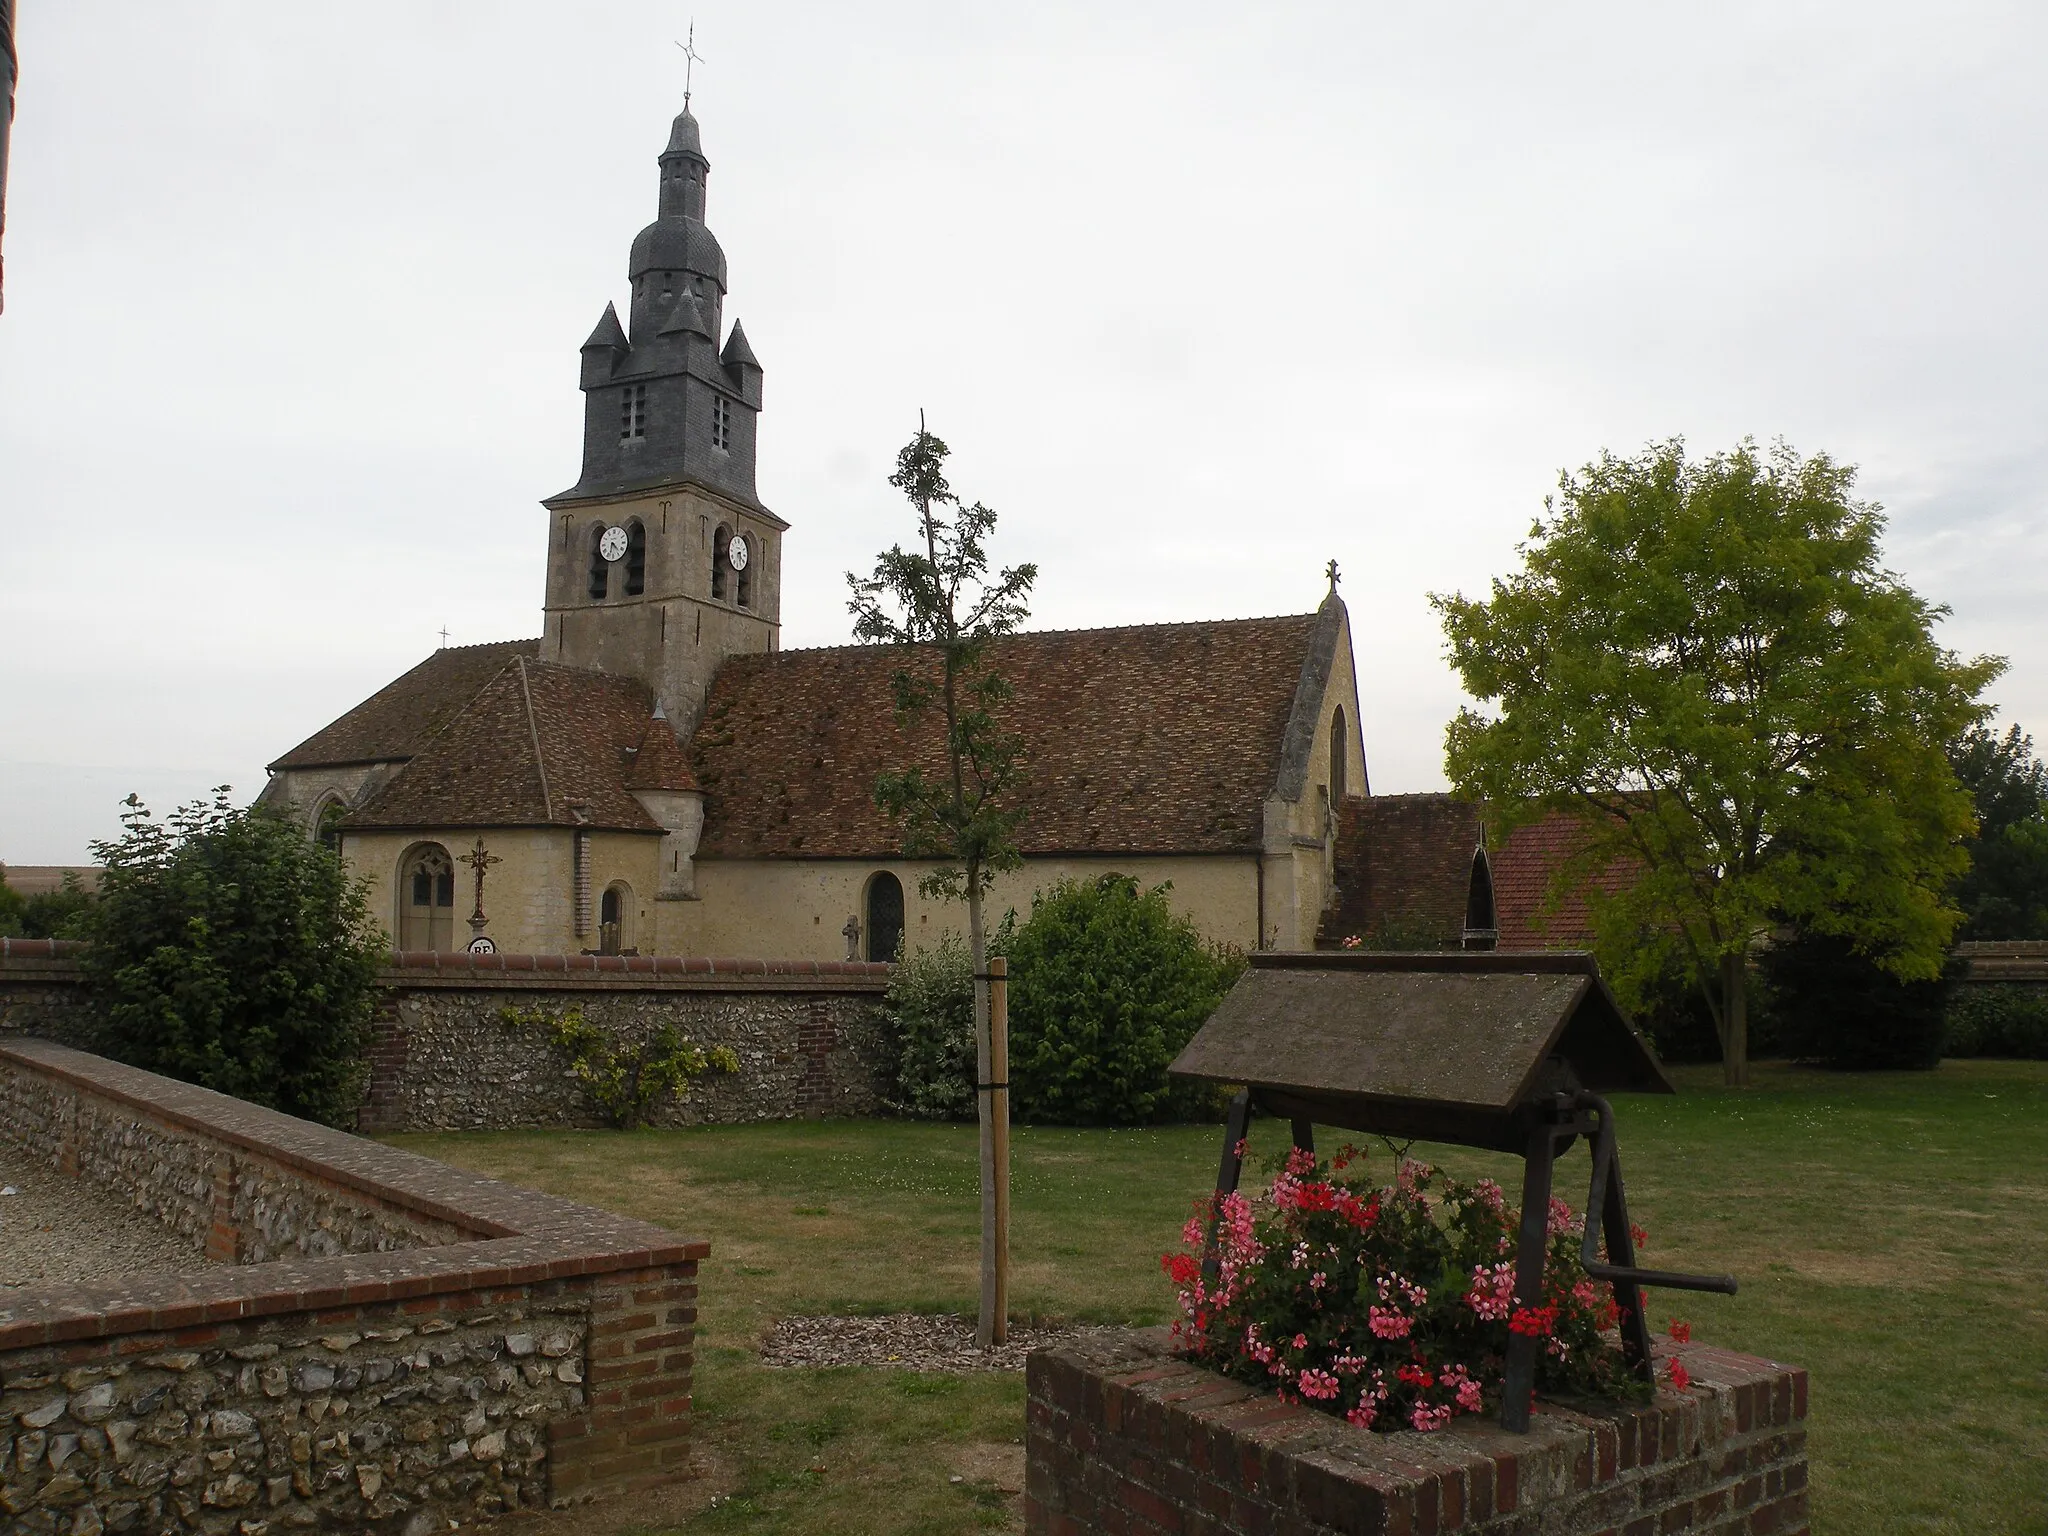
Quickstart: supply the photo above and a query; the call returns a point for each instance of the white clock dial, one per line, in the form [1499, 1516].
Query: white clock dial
[736, 552]
[612, 544]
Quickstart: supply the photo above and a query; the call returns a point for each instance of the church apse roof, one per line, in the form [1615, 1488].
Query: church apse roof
[398, 719]
[1160, 738]
[539, 745]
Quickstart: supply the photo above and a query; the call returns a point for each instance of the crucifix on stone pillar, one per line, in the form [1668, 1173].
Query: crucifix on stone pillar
[479, 861]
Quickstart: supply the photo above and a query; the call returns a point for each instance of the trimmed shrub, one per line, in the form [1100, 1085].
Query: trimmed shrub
[930, 1006]
[1829, 1004]
[1998, 1018]
[1107, 984]
[228, 949]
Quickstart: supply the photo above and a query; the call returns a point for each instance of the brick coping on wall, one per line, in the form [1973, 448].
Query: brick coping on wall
[1123, 1435]
[49, 957]
[521, 1236]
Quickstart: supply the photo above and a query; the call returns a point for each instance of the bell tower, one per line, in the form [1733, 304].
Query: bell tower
[662, 561]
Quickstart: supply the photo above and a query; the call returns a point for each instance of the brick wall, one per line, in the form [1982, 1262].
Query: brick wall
[1122, 1436]
[453, 1348]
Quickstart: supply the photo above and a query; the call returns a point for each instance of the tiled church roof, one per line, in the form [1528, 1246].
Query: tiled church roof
[540, 745]
[1161, 738]
[398, 719]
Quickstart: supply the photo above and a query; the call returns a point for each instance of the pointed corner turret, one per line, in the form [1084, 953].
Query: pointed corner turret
[741, 366]
[606, 346]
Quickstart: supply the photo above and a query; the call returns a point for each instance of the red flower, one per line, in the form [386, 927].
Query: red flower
[1681, 1331]
[1680, 1377]
[1180, 1268]
[1534, 1321]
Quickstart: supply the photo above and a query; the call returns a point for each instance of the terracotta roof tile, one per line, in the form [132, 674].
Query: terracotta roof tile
[661, 762]
[1524, 866]
[398, 719]
[1158, 738]
[1404, 868]
[482, 769]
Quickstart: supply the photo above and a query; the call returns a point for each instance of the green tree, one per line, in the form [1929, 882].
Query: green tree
[2004, 895]
[229, 950]
[1108, 983]
[938, 603]
[1707, 662]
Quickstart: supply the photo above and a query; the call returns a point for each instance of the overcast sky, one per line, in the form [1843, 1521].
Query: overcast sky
[1201, 295]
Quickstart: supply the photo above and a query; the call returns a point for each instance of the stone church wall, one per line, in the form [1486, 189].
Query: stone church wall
[800, 906]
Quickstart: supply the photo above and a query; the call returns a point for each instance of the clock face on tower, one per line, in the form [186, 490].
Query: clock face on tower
[736, 552]
[612, 543]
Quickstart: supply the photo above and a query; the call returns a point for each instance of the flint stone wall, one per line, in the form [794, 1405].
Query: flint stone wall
[1122, 1435]
[231, 1204]
[447, 1348]
[809, 1037]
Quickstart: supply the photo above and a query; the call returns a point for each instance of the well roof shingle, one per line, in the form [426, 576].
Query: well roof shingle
[1158, 738]
[398, 719]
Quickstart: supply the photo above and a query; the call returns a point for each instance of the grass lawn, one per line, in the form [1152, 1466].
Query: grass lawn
[1890, 1233]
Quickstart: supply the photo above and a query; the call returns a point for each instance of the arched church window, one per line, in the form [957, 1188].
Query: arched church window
[327, 824]
[636, 558]
[1340, 744]
[426, 899]
[1482, 930]
[615, 919]
[884, 925]
[721, 560]
[600, 568]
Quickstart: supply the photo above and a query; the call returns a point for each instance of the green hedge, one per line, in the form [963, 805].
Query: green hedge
[1998, 1018]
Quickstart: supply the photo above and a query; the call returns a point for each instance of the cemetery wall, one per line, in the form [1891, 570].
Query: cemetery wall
[462, 1348]
[1121, 1435]
[808, 1034]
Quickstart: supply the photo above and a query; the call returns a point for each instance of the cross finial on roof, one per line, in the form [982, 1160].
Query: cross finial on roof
[444, 637]
[1330, 571]
[692, 59]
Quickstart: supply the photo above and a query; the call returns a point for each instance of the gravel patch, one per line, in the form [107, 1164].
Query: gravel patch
[58, 1230]
[904, 1341]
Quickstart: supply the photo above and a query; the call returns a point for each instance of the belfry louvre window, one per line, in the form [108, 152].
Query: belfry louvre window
[633, 413]
[721, 422]
[636, 558]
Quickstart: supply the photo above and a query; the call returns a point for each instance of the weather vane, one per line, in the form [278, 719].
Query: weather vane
[692, 59]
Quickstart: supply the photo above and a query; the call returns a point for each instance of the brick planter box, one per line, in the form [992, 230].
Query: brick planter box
[385, 1343]
[1123, 1436]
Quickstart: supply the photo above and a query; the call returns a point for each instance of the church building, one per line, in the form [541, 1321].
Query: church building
[654, 774]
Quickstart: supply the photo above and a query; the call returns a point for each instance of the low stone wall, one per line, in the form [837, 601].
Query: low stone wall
[42, 992]
[465, 1347]
[1121, 1435]
[808, 1034]
[2005, 960]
